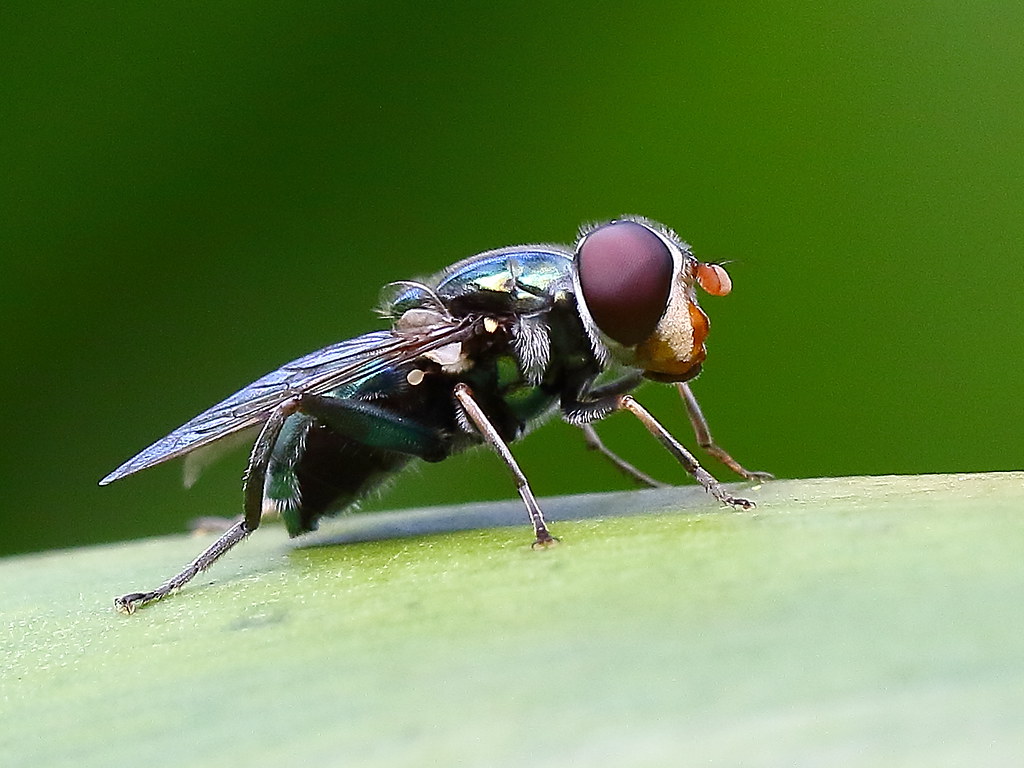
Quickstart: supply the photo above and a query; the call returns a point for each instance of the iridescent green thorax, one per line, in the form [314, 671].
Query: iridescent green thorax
[518, 279]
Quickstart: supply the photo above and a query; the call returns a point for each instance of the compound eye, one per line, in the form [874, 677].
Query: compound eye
[625, 276]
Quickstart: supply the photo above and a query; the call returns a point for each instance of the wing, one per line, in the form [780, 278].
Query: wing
[316, 373]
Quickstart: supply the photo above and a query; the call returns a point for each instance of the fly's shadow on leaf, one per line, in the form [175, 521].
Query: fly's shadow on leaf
[425, 521]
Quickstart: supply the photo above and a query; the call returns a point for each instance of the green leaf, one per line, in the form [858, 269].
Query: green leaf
[850, 621]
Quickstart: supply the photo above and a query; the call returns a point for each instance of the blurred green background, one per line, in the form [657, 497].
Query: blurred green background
[195, 193]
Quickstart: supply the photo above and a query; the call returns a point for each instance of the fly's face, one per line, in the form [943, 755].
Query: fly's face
[636, 290]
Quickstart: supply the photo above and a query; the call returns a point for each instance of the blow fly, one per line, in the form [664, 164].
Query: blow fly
[474, 355]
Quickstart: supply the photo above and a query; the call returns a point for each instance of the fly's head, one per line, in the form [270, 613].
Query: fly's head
[636, 289]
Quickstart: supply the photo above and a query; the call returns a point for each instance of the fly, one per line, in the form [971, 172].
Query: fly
[474, 355]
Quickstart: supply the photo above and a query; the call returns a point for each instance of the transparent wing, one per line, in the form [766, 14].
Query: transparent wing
[315, 373]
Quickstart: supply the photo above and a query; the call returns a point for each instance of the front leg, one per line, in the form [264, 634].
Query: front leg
[683, 456]
[707, 442]
[583, 412]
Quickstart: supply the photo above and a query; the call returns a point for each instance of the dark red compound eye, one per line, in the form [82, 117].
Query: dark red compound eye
[625, 276]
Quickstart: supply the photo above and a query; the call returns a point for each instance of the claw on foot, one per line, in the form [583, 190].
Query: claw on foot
[544, 542]
[127, 604]
[738, 503]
